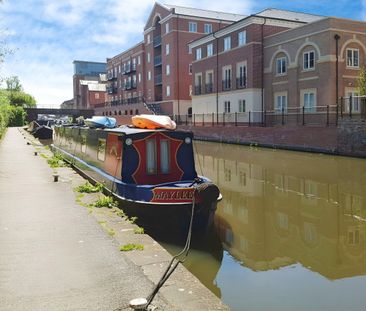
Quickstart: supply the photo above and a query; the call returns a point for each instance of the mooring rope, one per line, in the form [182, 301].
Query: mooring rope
[175, 261]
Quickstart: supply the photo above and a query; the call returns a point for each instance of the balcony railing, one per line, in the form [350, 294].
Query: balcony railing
[133, 67]
[157, 41]
[157, 60]
[127, 69]
[197, 89]
[158, 80]
[128, 85]
[133, 84]
[127, 101]
[226, 85]
[241, 83]
[111, 76]
[209, 88]
[111, 90]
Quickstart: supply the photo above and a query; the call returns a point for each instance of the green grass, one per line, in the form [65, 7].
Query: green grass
[131, 247]
[105, 202]
[133, 219]
[44, 156]
[56, 161]
[139, 230]
[89, 188]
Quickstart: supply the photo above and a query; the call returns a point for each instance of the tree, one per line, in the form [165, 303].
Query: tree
[22, 99]
[13, 84]
[362, 81]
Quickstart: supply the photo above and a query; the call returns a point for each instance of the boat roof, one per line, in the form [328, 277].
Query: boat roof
[127, 130]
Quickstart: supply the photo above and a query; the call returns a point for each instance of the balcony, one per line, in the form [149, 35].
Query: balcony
[241, 83]
[126, 69]
[157, 41]
[128, 85]
[133, 67]
[226, 85]
[197, 89]
[157, 61]
[133, 85]
[158, 80]
[111, 90]
[209, 88]
[111, 76]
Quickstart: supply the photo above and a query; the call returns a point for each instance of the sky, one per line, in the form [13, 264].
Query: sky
[46, 36]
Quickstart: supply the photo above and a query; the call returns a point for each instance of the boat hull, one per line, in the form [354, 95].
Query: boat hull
[171, 211]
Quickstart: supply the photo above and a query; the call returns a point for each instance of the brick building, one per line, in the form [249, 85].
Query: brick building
[157, 71]
[86, 71]
[278, 63]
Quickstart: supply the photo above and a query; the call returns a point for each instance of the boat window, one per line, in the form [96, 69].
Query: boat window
[164, 156]
[83, 143]
[101, 149]
[151, 156]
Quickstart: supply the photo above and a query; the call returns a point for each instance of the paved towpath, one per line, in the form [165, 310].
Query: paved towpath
[52, 255]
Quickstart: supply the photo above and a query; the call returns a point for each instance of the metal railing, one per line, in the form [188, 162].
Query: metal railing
[319, 116]
[157, 60]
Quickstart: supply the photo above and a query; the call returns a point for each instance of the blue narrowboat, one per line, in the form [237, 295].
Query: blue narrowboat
[152, 171]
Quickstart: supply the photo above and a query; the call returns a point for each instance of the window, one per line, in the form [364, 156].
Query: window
[281, 66]
[148, 57]
[138, 60]
[167, 28]
[101, 149]
[242, 38]
[192, 27]
[151, 156]
[164, 156]
[168, 90]
[280, 102]
[209, 82]
[309, 58]
[198, 53]
[309, 100]
[242, 107]
[227, 79]
[167, 49]
[241, 78]
[209, 49]
[148, 39]
[149, 75]
[96, 95]
[227, 106]
[139, 77]
[353, 102]
[167, 70]
[190, 69]
[208, 28]
[227, 43]
[353, 58]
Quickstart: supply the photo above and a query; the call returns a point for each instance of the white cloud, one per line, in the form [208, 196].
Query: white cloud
[47, 35]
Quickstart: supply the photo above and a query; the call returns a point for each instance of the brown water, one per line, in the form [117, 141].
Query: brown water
[291, 230]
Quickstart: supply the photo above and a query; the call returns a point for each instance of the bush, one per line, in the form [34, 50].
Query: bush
[17, 116]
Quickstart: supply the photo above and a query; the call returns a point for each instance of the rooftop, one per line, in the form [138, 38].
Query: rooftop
[289, 15]
[204, 13]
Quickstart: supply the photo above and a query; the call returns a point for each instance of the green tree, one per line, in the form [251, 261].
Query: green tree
[362, 81]
[17, 116]
[22, 99]
[13, 84]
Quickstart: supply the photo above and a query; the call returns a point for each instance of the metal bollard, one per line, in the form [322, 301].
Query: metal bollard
[55, 177]
[28, 143]
[35, 153]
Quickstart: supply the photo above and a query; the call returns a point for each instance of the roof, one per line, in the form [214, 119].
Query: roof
[204, 13]
[97, 87]
[127, 130]
[289, 15]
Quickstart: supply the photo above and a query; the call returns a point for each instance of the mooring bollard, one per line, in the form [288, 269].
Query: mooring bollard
[55, 177]
[35, 153]
[28, 143]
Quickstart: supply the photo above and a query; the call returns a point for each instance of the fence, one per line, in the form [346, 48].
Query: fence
[321, 115]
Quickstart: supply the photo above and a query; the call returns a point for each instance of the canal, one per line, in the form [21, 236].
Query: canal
[290, 232]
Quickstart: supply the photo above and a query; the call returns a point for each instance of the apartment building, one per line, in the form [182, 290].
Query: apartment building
[278, 62]
[228, 64]
[85, 71]
[157, 71]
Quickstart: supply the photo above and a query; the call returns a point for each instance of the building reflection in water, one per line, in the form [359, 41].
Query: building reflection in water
[283, 208]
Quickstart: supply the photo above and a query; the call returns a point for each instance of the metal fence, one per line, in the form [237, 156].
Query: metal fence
[329, 115]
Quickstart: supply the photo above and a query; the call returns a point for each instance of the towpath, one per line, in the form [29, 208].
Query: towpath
[53, 255]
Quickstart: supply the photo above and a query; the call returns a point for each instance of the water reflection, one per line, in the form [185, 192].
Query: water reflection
[286, 209]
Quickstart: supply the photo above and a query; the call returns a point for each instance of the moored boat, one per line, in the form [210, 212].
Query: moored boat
[152, 171]
[101, 122]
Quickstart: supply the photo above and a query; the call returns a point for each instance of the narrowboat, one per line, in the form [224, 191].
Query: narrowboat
[151, 171]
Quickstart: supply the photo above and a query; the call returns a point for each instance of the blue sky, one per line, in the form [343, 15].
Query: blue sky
[47, 35]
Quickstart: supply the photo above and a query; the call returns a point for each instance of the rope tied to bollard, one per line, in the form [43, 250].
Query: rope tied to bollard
[142, 303]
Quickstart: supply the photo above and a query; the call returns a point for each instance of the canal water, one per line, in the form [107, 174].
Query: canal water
[290, 232]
